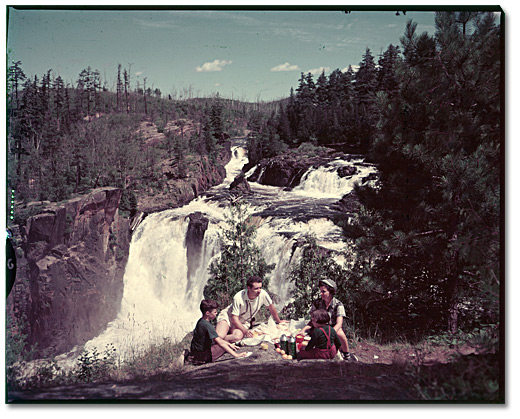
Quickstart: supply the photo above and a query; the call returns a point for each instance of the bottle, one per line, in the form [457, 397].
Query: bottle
[291, 346]
[283, 343]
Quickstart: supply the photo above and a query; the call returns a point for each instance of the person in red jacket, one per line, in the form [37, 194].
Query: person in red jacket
[324, 339]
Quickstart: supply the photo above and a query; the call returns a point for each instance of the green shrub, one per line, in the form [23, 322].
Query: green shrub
[93, 366]
[240, 258]
[17, 350]
[471, 378]
[314, 265]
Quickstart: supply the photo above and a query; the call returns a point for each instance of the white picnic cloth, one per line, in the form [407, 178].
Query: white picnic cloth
[268, 332]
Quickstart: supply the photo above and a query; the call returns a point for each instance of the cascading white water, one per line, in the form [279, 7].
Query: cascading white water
[160, 299]
[324, 182]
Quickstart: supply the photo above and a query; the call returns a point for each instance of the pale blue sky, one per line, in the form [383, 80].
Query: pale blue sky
[235, 53]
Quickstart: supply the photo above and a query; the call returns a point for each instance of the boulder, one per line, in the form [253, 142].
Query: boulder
[241, 184]
[347, 171]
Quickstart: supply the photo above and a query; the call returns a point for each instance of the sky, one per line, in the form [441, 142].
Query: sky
[247, 55]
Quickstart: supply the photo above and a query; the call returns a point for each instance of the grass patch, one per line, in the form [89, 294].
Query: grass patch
[94, 366]
[472, 378]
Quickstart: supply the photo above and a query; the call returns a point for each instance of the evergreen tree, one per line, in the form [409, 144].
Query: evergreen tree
[428, 236]
[388, 79]
[119, 89]
[240, 258]
[365, 103]
[15, 78]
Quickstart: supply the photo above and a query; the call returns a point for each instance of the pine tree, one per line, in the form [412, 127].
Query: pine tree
[240, 257]
[15, 78]
[428, 236]
[387, 76]
[365, 102]
[119, 89]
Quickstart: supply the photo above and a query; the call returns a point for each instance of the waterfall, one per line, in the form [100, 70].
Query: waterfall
[160, 297]
[168, 261]
[326, 182]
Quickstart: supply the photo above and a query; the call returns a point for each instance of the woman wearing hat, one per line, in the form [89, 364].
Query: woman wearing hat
[336, 310]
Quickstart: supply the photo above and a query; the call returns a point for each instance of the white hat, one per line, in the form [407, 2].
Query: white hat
[328, 282]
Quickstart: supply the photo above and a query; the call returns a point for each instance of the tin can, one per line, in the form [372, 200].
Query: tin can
[283, 343]
[291, 346]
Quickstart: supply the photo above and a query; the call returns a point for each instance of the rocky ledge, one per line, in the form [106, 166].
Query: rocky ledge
[178, 190]
[71, 260]
[286, 170]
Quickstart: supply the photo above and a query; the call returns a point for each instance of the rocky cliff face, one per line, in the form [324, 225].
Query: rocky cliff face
[201, 175]
[70, 279]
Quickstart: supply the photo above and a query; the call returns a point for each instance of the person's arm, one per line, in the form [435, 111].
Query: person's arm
[340, 315]
[275, 315]
[314, 340]
[229, 347]
[238, 325]
[304, 330]
[339, 323]
[337, 342]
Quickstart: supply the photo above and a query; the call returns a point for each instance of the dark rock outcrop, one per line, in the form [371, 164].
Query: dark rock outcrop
[241, 184]
[197, 227]
[347, 171]
[286, 170]
[73, 257]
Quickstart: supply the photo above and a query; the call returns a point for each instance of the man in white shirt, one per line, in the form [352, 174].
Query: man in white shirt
[235, 321]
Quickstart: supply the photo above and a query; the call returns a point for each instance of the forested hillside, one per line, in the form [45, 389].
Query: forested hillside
[65, 139]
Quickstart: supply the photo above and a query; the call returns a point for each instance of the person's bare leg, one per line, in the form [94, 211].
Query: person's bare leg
[222, 329]
[344, 341]
[236, 335]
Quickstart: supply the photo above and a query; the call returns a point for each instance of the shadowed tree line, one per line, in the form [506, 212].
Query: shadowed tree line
[427, 237]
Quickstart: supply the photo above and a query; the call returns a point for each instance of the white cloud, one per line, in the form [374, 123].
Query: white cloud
[285, 67]
[354, 68]
[138, 73]
[216, 65]
[319, 70]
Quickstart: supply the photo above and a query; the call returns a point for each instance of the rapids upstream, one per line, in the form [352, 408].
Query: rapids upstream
[167, 269]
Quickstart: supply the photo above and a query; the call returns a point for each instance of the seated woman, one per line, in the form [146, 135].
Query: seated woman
[336, 311]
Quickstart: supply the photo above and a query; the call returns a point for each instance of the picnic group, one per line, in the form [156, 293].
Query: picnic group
[236, 321]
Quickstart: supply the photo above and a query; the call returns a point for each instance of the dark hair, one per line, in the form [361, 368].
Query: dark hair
[207, 305]
[252, 279]
[331, 290]
[321, 316]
